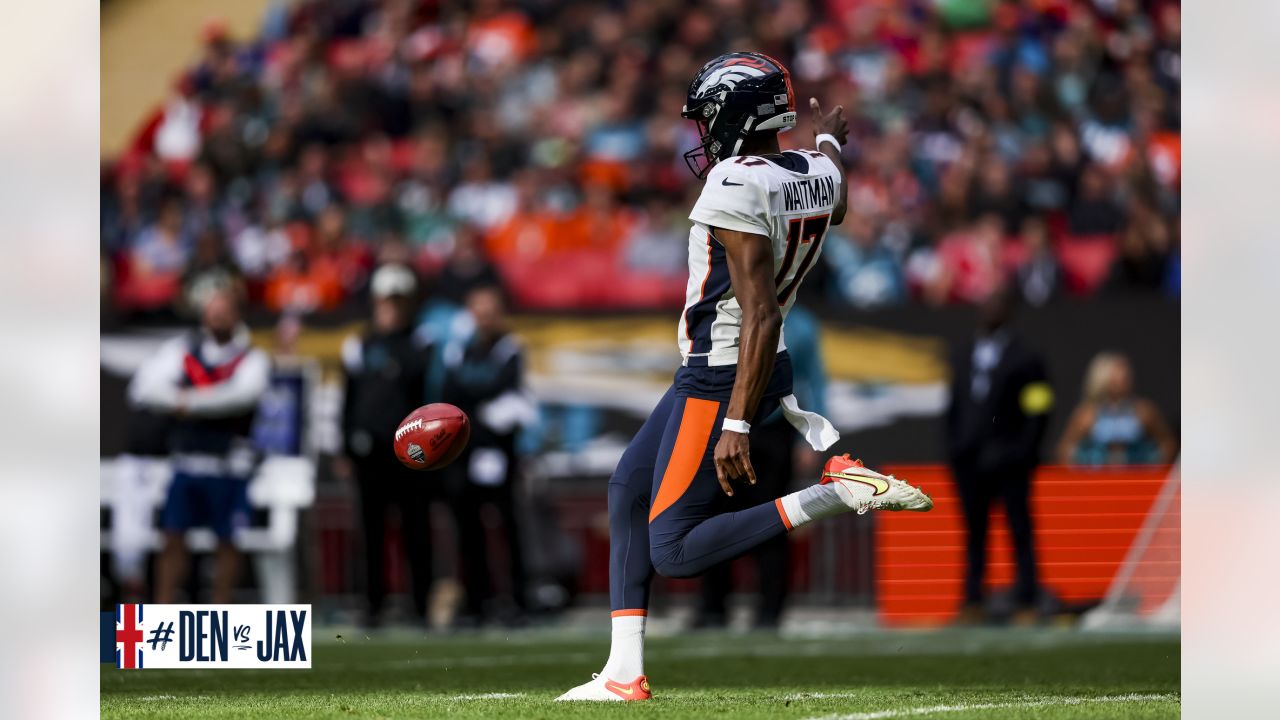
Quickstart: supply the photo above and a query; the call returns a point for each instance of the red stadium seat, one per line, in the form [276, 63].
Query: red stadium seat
[1086, 260]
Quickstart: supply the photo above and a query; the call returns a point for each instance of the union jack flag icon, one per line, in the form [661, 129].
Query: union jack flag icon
[129, 636]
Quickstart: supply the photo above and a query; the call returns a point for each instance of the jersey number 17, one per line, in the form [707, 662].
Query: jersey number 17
[806, 232]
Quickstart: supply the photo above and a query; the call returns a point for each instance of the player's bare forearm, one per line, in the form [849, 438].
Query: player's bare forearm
[758, 346]
[833, 124]
[750, 261]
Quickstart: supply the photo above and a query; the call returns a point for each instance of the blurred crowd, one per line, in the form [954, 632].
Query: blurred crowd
[538, 143]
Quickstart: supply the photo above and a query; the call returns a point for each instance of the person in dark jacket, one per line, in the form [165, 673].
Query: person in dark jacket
[999, 408]
[386, 379]
[483, 377]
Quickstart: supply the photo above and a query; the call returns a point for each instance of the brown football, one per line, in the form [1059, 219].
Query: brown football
[432, 436]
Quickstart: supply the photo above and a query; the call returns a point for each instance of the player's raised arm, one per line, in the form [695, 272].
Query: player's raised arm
[833, 125]
[750, 260]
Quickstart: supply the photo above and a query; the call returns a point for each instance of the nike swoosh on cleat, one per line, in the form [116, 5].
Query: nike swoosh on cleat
[620, 690]
[725, 181]
[881, 486]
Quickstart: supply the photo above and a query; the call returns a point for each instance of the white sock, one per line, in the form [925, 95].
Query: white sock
[626, 654]
[812, 503]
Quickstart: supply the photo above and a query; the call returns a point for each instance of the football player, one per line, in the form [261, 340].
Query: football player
[757, 229]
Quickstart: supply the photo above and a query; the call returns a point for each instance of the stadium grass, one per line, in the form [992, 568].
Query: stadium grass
[950, 674]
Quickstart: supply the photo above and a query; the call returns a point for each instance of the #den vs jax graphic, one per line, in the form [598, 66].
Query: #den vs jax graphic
[207, 636]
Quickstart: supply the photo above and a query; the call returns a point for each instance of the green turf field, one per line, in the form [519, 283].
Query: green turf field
[951, 674]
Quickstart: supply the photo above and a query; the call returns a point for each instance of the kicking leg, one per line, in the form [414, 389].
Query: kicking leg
[686, 537]
[630, 572]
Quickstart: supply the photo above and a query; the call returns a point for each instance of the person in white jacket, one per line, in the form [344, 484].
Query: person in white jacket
[209, 381]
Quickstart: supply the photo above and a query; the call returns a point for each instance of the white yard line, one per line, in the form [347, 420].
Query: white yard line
[1022, 705]
[488, 696]
[819, 696]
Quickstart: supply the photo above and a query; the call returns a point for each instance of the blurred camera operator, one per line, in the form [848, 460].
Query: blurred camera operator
[209, 382]
[386, 376]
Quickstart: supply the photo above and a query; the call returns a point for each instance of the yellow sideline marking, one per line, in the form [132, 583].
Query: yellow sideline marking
[854, 354]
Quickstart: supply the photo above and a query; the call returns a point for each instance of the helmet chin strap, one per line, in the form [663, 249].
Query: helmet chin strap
[742, 137]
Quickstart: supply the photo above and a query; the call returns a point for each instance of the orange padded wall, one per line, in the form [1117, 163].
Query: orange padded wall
[1085, 520]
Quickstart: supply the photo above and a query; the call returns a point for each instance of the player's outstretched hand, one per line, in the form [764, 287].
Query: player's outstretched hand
[833, 123]
[733, 460]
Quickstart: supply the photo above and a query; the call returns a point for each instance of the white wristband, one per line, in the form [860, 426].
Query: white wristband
[826, 137]
[739, 426]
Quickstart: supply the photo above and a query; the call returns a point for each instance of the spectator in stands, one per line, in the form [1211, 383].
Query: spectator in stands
[201, 212]
[466, 268]
[417, 120]
[660, 243]
[864, 272]
[994, 193]
[209, 382]
[484, 376]
[1144, 254]
[259, 249]
[481, 199]
[386, 371]
[302, 284]
[1112, 426]
[211, 269]
[995, 422]
[159, 254]
[1038, 276]
[1068, 161]
[1094, 211]
[1043, 189]
[122, 207]
[316, 191]
[334, 245]
[443, 319]
[421, 195]
[970, 263]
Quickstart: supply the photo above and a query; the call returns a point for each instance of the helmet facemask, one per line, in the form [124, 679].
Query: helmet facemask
[707, 153]
[711, 150]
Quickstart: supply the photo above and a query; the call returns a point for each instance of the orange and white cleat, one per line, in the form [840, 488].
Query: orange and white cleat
[863, 489]
[602, 689]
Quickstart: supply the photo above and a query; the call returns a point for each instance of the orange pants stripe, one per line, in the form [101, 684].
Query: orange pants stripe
[696, 423]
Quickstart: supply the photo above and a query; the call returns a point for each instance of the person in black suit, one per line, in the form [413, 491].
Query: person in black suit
[1000, 404]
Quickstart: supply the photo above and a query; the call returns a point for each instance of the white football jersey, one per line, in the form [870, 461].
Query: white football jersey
[786, 197]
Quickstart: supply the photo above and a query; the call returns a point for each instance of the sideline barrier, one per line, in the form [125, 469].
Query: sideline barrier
[1085, 520]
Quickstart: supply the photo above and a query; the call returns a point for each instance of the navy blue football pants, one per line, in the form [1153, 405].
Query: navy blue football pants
[664, 497]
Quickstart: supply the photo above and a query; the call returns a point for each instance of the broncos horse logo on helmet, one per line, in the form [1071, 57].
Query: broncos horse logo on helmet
[732, 97]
